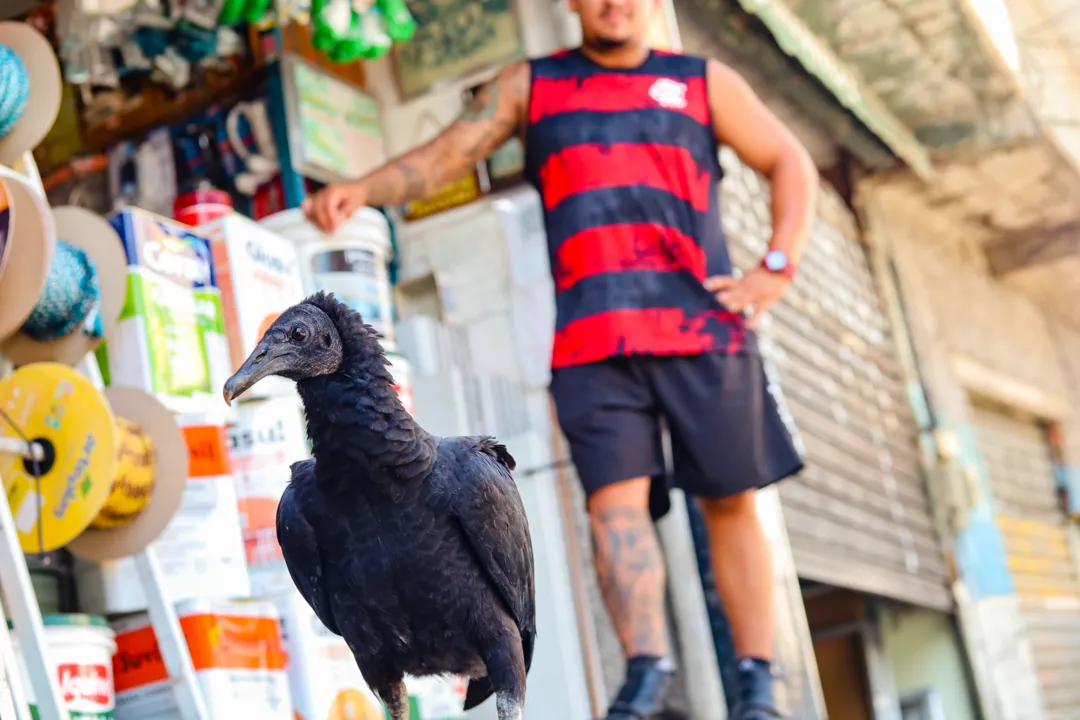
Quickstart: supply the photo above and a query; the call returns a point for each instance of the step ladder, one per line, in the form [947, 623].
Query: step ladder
[19, 601]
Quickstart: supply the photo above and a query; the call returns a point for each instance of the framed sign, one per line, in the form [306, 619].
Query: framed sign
[334, 129]
[454, 38]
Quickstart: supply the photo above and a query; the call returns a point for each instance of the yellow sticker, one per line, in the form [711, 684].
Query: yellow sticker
[55, 404]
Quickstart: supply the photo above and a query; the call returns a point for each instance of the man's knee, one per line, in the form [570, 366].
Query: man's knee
[730, 507]
[628, 497]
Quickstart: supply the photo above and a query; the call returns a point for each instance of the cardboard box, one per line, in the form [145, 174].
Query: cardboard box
[258, 272]
[238, 657]
[267, 438]
[170, 339]
[324, 681]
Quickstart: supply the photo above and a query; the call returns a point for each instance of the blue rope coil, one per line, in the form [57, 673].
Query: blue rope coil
[14, 89]
[72, 297]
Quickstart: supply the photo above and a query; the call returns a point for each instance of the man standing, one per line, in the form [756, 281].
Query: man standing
[622, 144]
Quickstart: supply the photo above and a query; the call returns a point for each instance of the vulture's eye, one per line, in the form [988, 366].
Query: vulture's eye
[299, 334]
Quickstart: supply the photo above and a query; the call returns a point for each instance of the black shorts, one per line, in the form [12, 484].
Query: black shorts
[727, 435]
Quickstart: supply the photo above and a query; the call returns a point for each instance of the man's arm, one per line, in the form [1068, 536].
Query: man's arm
[743, 123]
[496, 113]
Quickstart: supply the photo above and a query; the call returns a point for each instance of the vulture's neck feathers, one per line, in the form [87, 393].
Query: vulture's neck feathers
[355, 417]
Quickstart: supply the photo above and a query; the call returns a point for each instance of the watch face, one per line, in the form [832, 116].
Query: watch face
[776, 260]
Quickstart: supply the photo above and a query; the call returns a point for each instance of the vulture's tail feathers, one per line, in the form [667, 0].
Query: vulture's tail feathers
[479, 691]
[481, 688]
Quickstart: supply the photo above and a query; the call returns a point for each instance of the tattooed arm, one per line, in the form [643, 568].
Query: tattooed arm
[496, 112]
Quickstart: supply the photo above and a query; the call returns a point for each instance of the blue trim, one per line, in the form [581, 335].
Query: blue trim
[980, 554]
[1068, 480]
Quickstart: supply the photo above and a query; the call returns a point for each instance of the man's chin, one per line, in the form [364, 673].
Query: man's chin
[609, 42]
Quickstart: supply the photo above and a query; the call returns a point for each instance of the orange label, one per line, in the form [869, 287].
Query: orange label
[137, 661]
[225, 642]
[208, 450]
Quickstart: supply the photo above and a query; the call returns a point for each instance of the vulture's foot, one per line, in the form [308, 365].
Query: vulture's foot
[396, 698]
[508, 707]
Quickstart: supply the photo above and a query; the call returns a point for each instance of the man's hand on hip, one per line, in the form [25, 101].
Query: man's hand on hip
[758, 289]
[333, 205]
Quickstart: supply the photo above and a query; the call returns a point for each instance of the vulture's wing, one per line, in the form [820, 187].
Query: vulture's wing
[299, 545]
[488, 506]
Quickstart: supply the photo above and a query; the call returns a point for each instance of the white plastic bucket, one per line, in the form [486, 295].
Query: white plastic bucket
[81, 649]
[401, 370]
[351, 263]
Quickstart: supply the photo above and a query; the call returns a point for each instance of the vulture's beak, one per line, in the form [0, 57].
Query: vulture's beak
[268, 358]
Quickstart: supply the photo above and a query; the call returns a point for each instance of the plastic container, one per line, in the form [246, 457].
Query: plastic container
[351, 263]
[202, 206]
[81, 648]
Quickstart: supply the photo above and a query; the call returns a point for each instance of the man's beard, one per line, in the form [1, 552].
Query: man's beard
[605, 44]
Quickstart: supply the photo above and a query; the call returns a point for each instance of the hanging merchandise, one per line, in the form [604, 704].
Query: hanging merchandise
[351, 263]
[234, 12]
[113, 470]
[237, 655]
[81, 650]
[348, 31]
[260, 155]
[75, 307]
[172, 342]
[30, 89]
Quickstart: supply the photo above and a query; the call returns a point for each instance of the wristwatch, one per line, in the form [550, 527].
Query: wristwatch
[776, 261]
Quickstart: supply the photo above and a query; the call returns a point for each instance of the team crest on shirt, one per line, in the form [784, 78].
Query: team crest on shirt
[668, 93]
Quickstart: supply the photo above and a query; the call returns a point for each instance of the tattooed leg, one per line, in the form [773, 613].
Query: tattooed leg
[630, 566]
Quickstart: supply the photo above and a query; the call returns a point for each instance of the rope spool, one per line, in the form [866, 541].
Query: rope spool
[72, 297]
[133, 482]
[74, 309]
[114, 465]
[31, 243]
[14, 89]
[30, 89]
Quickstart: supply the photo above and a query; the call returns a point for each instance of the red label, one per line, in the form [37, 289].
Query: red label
[85, 684]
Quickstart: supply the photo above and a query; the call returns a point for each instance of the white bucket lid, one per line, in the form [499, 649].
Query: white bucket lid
[367, 225]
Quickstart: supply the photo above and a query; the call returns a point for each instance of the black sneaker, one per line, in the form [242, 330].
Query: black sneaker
[645, 692]
[755, 711]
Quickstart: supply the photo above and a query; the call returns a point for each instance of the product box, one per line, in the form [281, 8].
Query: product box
[170, 339]
[324, 682]
[200, 553]
[259, 275]
[267, 437]
[238, 657]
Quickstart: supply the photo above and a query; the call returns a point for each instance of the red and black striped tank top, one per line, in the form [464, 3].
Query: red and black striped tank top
[626, 163]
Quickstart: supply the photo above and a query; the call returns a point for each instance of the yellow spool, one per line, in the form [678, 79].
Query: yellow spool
[133, 481]
[115, 466]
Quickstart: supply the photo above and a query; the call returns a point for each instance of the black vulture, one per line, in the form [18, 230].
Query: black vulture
[413, 548]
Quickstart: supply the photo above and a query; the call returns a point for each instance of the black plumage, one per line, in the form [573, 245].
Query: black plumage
[414, 548]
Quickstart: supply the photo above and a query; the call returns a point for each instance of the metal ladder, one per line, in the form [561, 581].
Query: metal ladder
[19, 600]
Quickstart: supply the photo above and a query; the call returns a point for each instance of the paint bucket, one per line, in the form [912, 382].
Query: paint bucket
[351, 263]
[401, 371]
[81, 649]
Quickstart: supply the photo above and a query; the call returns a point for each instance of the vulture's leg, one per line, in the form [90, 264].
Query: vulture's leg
[396, 698]
[506, 670]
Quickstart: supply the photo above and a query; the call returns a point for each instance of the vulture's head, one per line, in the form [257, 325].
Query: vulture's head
[303, 342]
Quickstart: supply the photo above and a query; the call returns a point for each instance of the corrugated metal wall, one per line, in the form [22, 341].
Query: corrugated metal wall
[859, 515]
[1043, 565]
